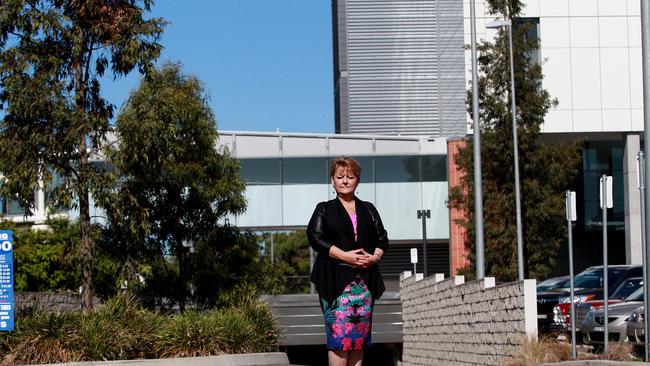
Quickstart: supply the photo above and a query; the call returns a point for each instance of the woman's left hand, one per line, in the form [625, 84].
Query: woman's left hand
[367, 260]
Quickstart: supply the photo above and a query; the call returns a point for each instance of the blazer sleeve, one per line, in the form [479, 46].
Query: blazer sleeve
[382, 235]
[316, 231]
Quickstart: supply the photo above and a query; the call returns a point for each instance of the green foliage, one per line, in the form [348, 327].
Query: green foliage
[47, 259]
[53, 55]
[121, 330]
[174, 187]
[291, 252]
[546, 171]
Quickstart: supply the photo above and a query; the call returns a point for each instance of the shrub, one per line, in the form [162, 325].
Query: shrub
[122, 330]
[44, 337]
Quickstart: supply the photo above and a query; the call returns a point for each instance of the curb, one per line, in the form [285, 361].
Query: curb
[246, 359]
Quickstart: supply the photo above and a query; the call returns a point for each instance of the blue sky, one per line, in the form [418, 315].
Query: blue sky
[266, 64]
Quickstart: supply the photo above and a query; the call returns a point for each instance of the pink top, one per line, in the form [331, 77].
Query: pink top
[353, 217]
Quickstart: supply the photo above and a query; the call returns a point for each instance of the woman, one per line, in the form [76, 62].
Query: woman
[350, 240]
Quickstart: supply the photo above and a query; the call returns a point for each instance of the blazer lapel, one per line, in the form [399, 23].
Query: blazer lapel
[345, 222]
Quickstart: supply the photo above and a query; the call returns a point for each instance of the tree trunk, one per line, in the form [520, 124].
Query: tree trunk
[86, 250]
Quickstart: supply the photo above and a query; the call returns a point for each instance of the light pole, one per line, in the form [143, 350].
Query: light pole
[478, 185]
[499, 23]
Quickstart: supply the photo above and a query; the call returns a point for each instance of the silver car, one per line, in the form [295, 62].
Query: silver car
[636, 327]
[593, 327]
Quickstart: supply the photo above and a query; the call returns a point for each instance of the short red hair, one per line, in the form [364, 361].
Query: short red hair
[347, 163]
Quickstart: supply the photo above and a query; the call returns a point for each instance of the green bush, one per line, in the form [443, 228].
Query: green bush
[121, 330]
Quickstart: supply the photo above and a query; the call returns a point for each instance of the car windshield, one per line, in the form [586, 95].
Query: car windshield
[551, 283]
[627, 288]
[636, 295]
[593, 278]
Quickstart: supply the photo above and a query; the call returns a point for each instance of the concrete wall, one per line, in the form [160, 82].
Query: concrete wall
[449, 322]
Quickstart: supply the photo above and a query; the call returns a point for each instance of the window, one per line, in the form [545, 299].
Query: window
[260, 171]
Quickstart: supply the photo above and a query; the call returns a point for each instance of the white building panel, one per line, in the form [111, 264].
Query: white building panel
[557, 74]
[616, 120]
[553, 8]
[583, 32]
[588, 120]
[558, 121]
[341, 146]
[531, 8]
[386, 147]
[634, 31]
[634, 8]
[636, 80]
[637, 119]
[611, 8]
[615, 74]
[585, 76]
[554, 33]
[256, 146]
[613, 32]
[303, 146]
[583, 7]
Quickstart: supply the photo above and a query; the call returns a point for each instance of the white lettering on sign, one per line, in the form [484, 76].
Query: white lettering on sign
[3, 324]
[5, 246]
[5, 307]
[4, 236]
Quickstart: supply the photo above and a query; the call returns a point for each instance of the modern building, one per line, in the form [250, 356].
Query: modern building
[288, 174]
[398, 67]
[590, 52]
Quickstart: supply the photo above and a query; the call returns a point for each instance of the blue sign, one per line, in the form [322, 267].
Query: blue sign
[6, 280]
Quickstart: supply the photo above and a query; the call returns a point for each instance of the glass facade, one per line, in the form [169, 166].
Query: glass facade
[282, 192]
[603, 158]
[374, 169]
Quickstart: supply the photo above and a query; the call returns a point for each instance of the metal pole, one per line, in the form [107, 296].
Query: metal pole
[515, 147]
[645, 58]
[646, 260]
[478, 186]
[272, 250]
[424, 215]
[569, 208]
[603, 182]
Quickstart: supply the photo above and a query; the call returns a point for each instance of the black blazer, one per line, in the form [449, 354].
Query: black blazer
[330, 225]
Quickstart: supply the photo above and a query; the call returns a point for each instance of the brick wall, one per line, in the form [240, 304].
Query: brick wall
[457, 233]
[449, 322]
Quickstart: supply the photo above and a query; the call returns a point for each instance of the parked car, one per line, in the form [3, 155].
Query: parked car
[588, 285]
[552, 283]
[593, 327]
[636, 327]
[562, 311]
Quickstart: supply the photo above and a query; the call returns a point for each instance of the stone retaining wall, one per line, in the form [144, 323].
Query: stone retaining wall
[449, 322]
[62, 301]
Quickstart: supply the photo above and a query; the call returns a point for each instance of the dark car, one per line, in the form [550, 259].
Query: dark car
[588, 285]
[552, 283]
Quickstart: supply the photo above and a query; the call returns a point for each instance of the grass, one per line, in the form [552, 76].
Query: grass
[534, 351]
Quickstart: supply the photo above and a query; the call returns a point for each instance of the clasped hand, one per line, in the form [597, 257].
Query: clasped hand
[359, 258]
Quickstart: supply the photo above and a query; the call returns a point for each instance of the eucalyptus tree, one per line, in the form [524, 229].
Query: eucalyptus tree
[547, 170]
[53, 56]
[175, 185]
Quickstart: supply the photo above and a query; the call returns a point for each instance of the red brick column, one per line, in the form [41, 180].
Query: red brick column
[458, 254]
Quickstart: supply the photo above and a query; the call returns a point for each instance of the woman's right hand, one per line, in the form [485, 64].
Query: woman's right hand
[352, 257]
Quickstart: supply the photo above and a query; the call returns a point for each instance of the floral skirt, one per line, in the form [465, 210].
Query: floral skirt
[348, 319]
